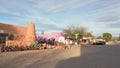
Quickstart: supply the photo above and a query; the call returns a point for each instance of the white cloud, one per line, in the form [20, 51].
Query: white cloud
[61, 5]
[3, 10]
[40, 11]
[16, 8]
[41, 22]
[108, 13]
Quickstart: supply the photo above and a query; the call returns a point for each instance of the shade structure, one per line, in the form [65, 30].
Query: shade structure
[54, 35]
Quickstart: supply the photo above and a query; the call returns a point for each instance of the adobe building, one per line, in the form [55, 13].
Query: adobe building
[17, 35]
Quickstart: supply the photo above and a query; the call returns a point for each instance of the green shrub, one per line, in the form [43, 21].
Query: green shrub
[34, 44]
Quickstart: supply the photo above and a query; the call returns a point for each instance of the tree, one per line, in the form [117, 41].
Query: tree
[99, 37]
[88, 34]
[107, 36]
[72, 30]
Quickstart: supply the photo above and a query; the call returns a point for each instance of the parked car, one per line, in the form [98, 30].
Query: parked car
[99, 43]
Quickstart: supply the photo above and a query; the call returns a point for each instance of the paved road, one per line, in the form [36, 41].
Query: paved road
[91, 57]
[94, 57]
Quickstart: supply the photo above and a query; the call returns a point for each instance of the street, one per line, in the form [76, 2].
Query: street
[98, 56]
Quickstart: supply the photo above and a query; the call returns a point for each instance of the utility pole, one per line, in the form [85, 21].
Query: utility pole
[76, 35]
[42, 32]
[119, 37]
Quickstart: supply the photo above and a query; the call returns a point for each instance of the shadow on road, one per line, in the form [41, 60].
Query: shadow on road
[94, 57]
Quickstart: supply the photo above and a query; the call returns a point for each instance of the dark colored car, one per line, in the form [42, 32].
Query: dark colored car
[99, 43]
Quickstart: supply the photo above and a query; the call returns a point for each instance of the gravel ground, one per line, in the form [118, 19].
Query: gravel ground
[36, 59]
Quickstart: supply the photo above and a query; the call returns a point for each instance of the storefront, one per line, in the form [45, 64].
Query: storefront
[2, 41]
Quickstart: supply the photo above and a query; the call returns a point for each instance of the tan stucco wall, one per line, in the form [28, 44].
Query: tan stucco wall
[22, 35]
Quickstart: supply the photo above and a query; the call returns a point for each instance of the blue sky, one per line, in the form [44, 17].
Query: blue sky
[98, 16]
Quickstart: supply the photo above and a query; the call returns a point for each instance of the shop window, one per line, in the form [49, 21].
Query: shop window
[2, 38]
[10, 37]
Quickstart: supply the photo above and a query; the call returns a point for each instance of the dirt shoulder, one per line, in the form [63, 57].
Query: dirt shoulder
[36, 59]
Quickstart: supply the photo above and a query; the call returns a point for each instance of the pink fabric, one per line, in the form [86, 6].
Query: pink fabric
[54, 35]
